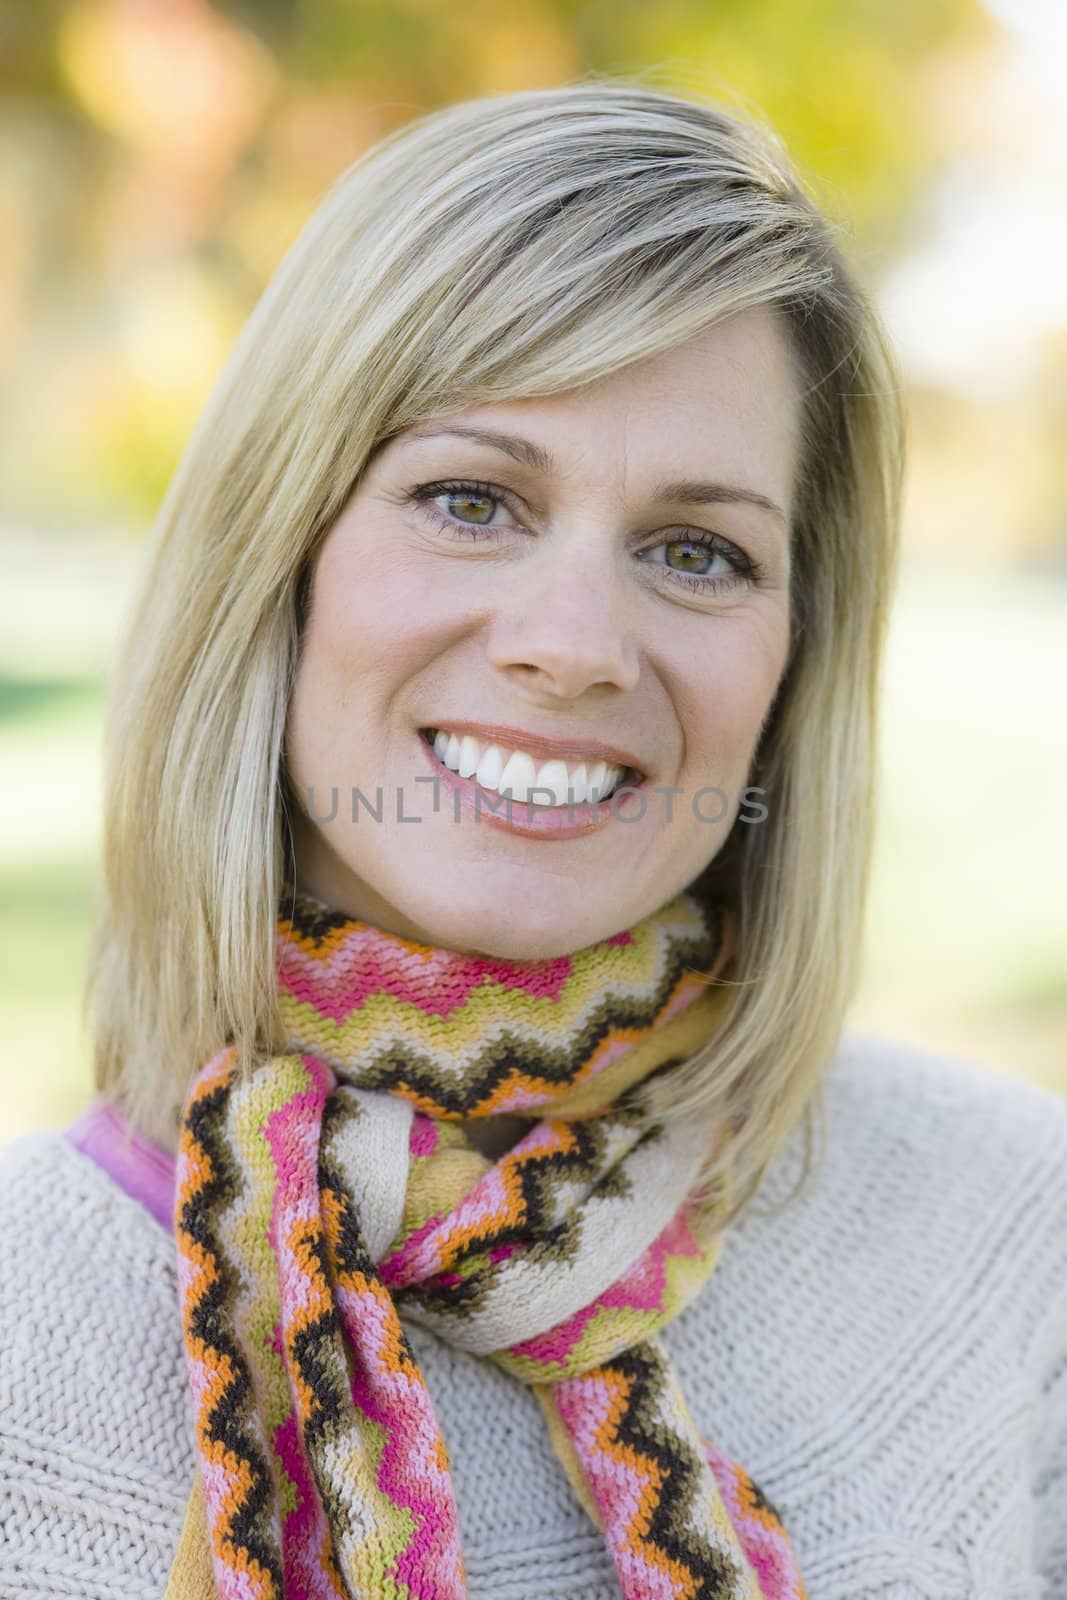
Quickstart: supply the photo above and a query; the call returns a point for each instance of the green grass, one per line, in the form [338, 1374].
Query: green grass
[40, 702]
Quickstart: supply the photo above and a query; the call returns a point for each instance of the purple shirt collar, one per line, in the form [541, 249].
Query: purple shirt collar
[136, 1163]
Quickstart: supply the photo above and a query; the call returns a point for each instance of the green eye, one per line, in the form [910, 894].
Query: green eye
[693, 550]
[476, 504]
[470, 499]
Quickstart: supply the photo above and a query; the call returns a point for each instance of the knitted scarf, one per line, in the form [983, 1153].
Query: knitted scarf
[334, 1187]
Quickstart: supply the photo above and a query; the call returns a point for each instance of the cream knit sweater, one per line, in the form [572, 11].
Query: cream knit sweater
[887, 1358]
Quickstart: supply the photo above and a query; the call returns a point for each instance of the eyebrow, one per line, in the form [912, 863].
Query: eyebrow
[690, 491]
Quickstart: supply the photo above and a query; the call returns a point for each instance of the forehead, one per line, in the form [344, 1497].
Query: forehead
[725, 400]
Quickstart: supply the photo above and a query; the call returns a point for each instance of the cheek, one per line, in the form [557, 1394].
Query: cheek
[371, 606]
[342, 639]
[356, 599]
[723, 710]
[375, 623]
[314, 723]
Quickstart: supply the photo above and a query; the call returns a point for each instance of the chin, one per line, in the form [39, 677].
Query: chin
[515, 921]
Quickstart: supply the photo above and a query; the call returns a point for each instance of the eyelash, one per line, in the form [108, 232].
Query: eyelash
[746, 571]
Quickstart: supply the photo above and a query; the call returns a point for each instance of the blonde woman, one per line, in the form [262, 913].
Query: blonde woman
[490, 773]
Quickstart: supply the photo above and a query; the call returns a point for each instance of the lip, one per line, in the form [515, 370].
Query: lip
[519, 817]
[576, 748]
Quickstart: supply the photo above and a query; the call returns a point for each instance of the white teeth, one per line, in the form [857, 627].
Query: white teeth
[490, 767]
[579, 783]
[519, 774]
[595, 784]
[515, 772]
[555, 777]
[470, 752]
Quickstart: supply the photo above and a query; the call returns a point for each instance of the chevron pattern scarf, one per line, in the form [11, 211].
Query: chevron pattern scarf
[334, 1188]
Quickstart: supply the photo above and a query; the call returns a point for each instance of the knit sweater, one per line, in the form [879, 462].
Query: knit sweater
[887, 1357]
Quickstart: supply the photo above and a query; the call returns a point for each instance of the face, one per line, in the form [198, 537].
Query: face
[557, 588]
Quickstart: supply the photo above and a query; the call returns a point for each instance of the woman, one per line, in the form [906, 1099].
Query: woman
[489, 808]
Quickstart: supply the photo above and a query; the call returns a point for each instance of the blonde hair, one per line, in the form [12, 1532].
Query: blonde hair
[502, 247]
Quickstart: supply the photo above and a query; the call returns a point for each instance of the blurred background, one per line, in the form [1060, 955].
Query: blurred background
[157, 159]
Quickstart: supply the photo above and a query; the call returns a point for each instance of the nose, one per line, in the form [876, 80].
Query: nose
[567, 626]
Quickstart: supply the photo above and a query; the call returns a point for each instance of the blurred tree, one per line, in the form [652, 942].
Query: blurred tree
[158, 156]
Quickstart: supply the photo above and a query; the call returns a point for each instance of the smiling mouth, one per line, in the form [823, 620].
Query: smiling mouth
[549, 783]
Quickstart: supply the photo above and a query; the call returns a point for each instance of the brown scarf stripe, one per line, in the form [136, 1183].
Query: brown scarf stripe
[641, 1430]
[403, 1068]
[228, 1431]
[534, 1222]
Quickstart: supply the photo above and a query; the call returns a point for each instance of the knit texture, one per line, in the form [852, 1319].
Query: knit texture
[888, 1356]
[336, 1184]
